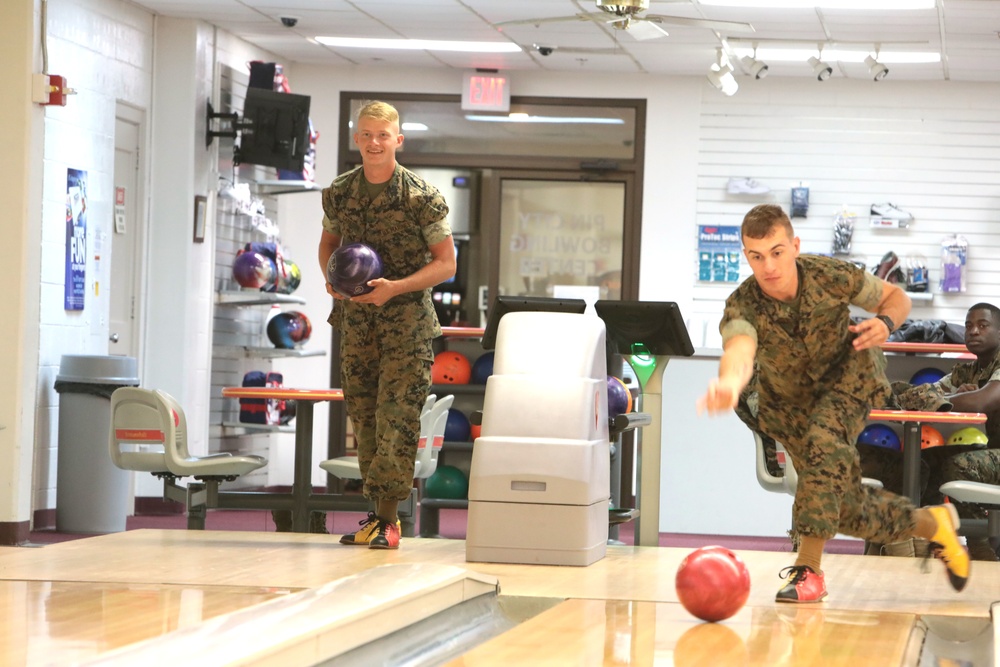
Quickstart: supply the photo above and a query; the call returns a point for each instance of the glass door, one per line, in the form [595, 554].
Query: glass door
[559, 235]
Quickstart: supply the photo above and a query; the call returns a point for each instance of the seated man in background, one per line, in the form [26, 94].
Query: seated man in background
[974, 386]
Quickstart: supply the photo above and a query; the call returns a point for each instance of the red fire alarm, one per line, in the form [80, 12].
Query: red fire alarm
[58, 90]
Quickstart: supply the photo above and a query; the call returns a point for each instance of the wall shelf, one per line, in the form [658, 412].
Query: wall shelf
[251, 352]
[254, 298]
[280, 353]
[282, 187]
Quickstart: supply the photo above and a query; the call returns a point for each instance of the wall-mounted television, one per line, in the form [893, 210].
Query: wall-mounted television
[511, 304]
[274, 130]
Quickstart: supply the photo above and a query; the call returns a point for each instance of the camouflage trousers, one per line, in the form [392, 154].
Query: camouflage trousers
[829, 497]
[386, 376]
[980, 465]
[878, 463]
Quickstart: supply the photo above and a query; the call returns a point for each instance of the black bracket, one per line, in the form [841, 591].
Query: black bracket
[228, 124]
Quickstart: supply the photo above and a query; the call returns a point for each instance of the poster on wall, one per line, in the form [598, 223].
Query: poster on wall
[719, 253]
[76, 239]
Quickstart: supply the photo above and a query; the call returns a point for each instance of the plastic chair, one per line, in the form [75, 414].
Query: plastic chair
[986, 496]
[433, 417]
[149, 434]
[788, 480]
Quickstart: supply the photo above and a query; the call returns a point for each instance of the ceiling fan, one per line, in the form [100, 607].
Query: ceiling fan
[628, 15]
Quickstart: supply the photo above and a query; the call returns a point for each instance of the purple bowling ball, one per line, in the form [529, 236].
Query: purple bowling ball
[350, 268]
[254, 270]
[619, 398]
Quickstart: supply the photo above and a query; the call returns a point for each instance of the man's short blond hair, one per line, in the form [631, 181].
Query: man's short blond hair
[379, 111]
[762, 219]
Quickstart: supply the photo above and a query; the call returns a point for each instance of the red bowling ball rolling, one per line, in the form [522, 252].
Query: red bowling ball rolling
[712, 583]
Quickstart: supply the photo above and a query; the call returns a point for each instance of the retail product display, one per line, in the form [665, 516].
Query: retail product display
[954, 252]
[254, 270]
[843, 232]
[290, 278]
[289, 329]
[800, 202]
[889, 269]
[746, 186]
[917, 279]
[890, 210]
[262, 410]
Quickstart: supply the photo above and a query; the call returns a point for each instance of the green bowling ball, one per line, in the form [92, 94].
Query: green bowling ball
[447, 482]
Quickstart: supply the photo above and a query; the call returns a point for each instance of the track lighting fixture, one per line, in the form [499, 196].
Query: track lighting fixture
[755, 68]
[721, 75]
[877, 70]
[820, 68]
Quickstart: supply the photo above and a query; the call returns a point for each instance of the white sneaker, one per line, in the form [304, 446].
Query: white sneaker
[892, 211]
[746, 186]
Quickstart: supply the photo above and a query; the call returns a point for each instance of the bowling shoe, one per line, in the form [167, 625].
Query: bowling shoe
[369, 530]
[386, 536]
[804, 585]
[946, 547]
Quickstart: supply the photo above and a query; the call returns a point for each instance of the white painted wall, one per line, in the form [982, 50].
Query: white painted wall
[104, 48]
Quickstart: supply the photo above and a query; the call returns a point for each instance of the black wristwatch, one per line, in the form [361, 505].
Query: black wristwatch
[888, 322]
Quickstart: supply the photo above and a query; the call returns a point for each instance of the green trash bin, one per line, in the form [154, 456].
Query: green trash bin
[91, 493]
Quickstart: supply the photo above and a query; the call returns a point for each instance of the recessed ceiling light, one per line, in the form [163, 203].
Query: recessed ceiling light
[420, 44]
[874, 5]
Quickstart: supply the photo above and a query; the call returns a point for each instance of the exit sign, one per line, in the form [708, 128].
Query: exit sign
[485, 91]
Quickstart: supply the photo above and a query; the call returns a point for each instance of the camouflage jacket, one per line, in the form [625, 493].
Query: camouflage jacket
[972, 372]
[803, 347]
[407, 217]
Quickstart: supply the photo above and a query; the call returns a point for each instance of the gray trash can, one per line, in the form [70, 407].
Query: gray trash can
[91, 493]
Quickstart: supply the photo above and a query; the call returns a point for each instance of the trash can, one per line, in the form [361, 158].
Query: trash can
[91, 493]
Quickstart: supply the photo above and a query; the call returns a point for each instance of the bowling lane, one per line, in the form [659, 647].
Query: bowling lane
[293, 560]
[62, 622]
[628, 632]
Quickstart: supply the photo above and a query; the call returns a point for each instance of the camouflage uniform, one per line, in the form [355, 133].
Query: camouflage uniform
[386, 351]
[981, 465]
[881, 463]
[815, 392]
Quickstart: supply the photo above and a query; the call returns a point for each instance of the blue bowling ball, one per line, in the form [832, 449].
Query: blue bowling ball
[926, 376]
[457, 427]
[483, 368]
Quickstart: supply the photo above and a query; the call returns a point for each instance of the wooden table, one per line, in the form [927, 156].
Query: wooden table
[929, 348]
[912, 420]
[303, 500]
